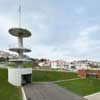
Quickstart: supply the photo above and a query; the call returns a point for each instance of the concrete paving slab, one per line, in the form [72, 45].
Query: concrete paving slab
[49, 91]
[95, 96]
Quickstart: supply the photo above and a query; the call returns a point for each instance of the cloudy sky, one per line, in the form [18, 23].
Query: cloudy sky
[61, 29]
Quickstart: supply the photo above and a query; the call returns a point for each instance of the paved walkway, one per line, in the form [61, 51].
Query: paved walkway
[54, 70]
[60, 80]
[67, 80]
[95, 96]
[49, 91]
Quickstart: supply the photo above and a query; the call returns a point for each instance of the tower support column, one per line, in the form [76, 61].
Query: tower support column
[20, 42]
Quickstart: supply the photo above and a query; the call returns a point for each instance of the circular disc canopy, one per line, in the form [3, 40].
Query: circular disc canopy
[19, 32]
[20, 49]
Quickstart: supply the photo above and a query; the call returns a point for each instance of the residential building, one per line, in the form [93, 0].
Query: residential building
[59, 64]
[5, 55]
[44, 64]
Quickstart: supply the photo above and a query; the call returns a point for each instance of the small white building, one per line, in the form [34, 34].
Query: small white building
[59, 64]
[71, 66]
[19, 76]
[44, 63]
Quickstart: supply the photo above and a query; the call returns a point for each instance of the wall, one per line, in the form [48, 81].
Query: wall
[83, 73]
[15, 75]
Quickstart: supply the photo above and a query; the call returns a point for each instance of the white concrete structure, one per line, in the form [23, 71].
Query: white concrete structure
[19, 76]
[16, 75]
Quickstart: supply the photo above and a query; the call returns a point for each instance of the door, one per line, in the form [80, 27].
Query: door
[26, 79]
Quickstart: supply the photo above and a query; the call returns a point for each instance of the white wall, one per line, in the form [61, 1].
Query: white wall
[54, 65]
[15, 75]
[59, 65]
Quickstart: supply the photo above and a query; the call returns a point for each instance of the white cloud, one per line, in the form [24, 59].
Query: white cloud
[89, 30]
[83, 45]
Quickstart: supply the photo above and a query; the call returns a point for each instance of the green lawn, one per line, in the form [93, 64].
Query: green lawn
[40, 76]
[26, 64]
[82, 87]
[7, 91]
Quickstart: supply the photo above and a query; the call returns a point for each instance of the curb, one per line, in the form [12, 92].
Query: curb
[23, 94]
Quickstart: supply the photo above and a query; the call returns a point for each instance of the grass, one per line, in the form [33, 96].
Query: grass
[82, 87]
[7, 91]
[11, 64]
[41, 76]
[26, 64]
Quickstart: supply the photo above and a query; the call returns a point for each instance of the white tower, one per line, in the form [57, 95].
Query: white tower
[20, 33]
[20, 75]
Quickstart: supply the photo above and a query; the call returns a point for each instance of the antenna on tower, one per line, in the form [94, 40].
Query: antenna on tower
[20, 12]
